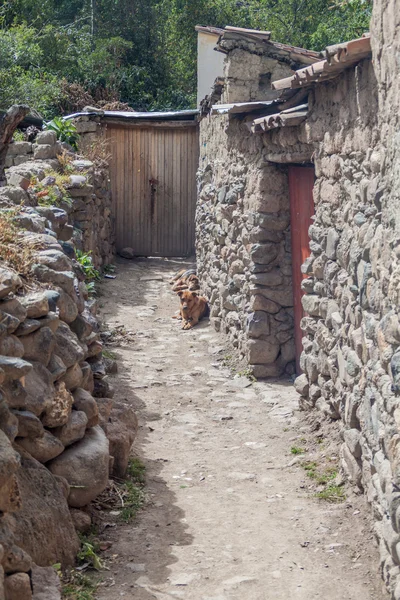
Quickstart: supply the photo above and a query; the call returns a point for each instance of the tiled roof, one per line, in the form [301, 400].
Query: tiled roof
[285, 118]
[338, 58]
[299, 55]
[212, 30]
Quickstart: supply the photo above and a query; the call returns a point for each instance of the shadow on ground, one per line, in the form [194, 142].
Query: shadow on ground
[148, 551]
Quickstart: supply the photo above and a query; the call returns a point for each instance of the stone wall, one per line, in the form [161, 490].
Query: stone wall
[352, 332]
[242, 224]
[90, 213]
[62, 433]
[351, 357]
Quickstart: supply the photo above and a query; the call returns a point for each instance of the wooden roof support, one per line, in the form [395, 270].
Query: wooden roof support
[290, 157]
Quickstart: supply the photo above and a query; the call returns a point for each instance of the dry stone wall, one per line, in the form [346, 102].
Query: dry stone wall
[62, 432]
[351, 357]
[242, 224]
[351, 329]
[90, 213]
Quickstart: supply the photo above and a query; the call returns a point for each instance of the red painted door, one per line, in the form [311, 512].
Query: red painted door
[301, 183]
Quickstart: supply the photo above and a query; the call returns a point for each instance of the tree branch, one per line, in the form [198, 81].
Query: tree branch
[8, 124]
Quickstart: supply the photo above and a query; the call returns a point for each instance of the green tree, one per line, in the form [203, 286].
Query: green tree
[143, 51]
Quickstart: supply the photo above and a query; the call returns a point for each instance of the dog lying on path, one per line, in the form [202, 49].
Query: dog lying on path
[190, 283]
[182, 274]
[185, 280]
[193, 308]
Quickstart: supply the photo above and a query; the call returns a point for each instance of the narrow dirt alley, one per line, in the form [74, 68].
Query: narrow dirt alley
[229, 513]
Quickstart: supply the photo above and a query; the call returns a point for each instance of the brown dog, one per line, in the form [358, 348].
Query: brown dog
[182, 274]
[190, 283]
[192, 309]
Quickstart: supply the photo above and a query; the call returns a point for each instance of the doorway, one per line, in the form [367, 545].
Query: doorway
[301, 183]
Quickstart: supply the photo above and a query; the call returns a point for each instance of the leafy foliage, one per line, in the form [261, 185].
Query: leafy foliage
[60, 55]
[86, 262]
[65, 131]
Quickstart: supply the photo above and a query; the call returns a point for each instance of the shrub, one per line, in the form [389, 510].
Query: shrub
[65, 131]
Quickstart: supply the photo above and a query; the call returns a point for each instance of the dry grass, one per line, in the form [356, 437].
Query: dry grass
[99, 152]
[65, 159]
[15, 250]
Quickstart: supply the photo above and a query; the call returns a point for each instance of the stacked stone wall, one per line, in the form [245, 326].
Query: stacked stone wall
[351, 357]
[242, 222]
[62, 432]
[243, 245]
[351, 329]
[90, 214]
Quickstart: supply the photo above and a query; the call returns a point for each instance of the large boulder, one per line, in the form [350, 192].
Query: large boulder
[68, 347]
[85, 466]
[29, 425]
[9, 459]
[14, 368]
[68, 309]
[73, 430]
[46, 583]
[42, 448]
[39, 345]
[73, 377]
[83, 401]
[54, 259]
[39, 388]
[18, 587]
[35, 304]
[9, 282]
[43, 526]
[11, 346]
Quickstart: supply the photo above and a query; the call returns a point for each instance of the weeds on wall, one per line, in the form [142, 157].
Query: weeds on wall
[99, 152]
[92, 275]
[54, 193]
[15, 251]
[18, 136]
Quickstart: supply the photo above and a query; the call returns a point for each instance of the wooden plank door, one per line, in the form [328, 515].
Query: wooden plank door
[153, 182]
[130, 172]
[301, 183]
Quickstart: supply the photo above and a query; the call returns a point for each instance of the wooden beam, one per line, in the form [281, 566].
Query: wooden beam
[290, 157]
[250, 31]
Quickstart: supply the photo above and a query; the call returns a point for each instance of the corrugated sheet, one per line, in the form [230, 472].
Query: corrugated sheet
[241, 107]
[178, 115]
[153, 180]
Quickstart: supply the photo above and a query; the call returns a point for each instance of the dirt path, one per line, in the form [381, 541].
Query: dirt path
[230, 517]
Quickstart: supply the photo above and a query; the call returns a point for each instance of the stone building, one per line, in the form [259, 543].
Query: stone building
[288, 149]
[243, 211]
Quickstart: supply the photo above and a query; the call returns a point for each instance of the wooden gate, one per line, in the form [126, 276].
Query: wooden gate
[153, 181]
[301, 183]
